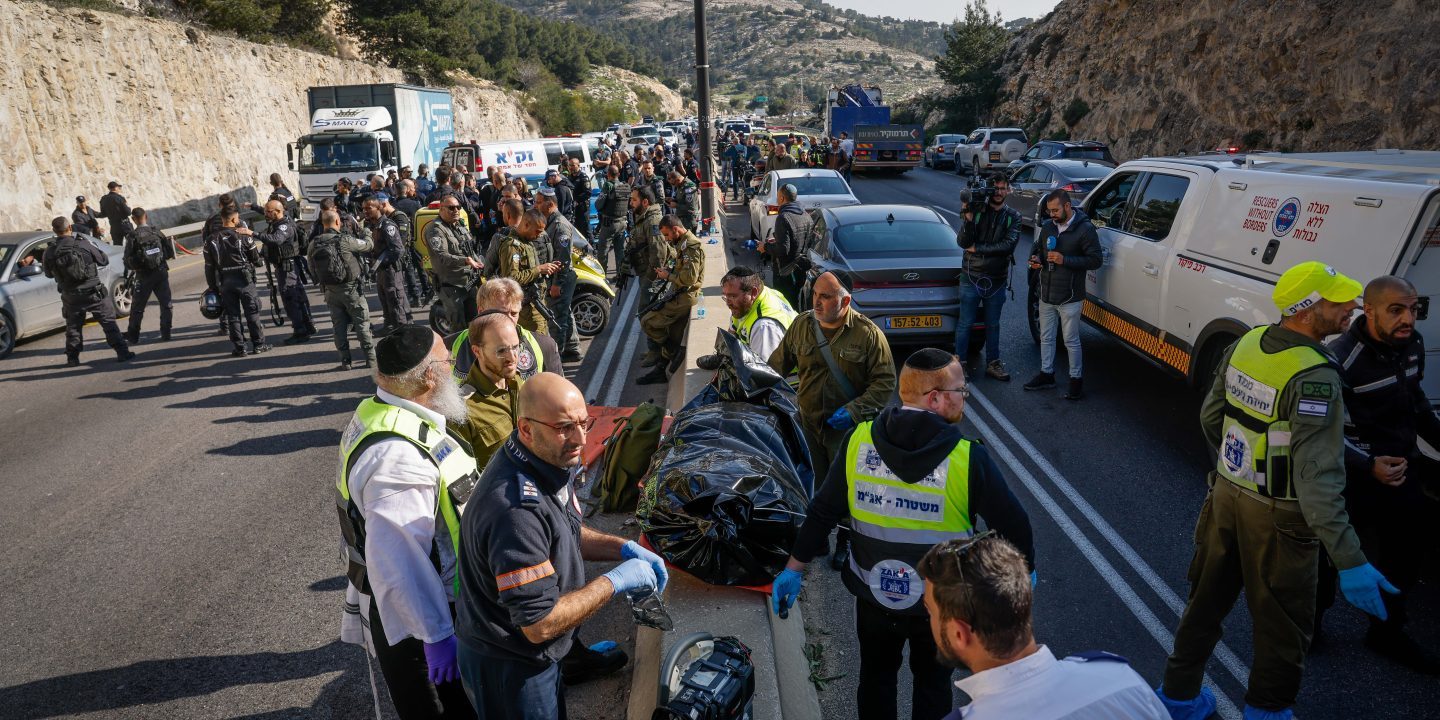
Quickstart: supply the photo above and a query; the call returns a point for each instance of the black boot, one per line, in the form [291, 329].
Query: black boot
[1077, 389]
[656, 375]
[582, 664]
[1041, 381]
[708, 362]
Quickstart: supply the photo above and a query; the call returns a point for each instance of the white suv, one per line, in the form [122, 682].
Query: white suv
[990, 150]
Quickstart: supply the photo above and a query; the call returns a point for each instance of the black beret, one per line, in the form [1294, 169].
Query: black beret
[929, 359]
[403, 349]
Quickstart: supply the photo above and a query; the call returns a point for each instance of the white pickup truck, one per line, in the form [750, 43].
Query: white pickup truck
[1194, 245]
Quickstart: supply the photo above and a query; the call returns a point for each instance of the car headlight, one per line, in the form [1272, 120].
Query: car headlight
[594, 266]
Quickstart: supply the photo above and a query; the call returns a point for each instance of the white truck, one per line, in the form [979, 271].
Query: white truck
[357, 130]
[1194, 245]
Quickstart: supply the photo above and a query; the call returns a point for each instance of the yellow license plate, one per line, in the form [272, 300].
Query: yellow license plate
[907, 322]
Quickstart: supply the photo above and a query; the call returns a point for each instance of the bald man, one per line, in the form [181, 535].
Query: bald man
[522, 573]
[282, 256]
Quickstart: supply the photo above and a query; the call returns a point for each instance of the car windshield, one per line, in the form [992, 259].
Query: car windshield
[949, 139]
[326, 155]
[828, 185]
[914, 238]
[1086, 172]
[5, 251]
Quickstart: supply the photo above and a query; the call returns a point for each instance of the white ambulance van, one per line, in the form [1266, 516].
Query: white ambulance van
[528, 158]
[1194, 245]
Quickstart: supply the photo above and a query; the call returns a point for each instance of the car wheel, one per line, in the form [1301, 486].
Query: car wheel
[975, 170]
[591, 313]
[123, 296]
[959, 168]
[438, 321]
[7, 335]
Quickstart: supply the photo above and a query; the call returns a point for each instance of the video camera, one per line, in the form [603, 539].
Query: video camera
[976, 195]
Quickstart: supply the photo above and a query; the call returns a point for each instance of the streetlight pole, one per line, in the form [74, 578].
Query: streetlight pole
[702, 92]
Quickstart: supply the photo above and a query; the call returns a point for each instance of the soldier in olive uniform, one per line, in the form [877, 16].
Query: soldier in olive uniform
[647, 249]
[819, 342]
[448, 243]
[494, 377]
[335, 258]
[516, 258]
[683, 273]
[612, 205]
[685, 201]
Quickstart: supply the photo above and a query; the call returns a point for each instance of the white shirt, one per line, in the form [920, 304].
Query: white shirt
[394, 485]
[765, 336]
[1039, 687]
[848, 146]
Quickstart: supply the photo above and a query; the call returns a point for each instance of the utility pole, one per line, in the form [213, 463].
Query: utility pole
[702, 91]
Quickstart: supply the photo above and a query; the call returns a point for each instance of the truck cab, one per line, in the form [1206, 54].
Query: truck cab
[346, 142]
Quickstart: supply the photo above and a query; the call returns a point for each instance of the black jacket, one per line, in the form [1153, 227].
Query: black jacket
[792, 226]
[912, 443]
[564, 198]
[1385, 407]
[1080, 244]
[990, 241]
[140, 242]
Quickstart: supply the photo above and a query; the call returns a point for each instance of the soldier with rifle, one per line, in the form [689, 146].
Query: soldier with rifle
[665, 318]
[516, 258]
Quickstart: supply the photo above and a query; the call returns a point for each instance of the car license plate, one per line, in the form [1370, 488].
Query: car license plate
[994, 157]
[909, 322]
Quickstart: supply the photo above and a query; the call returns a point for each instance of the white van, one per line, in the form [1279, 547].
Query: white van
[1194, 245]
[526, 158]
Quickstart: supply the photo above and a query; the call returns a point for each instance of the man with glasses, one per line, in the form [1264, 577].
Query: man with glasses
[906, 481]
[494, 382]
[448, 243]
[979, 601]
[538, 352]
[522, 572]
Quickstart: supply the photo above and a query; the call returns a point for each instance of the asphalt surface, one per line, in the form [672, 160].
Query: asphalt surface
[1113, 485]
[172, 548]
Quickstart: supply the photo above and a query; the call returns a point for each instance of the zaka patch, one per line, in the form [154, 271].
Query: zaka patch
[1321, 390]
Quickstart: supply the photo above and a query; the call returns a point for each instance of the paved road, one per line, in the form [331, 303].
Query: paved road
[1113, 486]
[170, 523]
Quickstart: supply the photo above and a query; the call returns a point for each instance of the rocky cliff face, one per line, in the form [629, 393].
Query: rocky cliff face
[1160, 76]
[611, 83]
[175, 114]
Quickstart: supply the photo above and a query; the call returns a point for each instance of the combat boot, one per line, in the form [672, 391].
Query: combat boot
[656, 375]
[652, 354]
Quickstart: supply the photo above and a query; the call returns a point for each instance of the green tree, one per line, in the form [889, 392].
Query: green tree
[970, 65]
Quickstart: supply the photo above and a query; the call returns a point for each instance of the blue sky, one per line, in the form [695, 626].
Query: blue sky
[946, 10]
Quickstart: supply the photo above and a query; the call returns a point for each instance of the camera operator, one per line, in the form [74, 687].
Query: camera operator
[989, 235]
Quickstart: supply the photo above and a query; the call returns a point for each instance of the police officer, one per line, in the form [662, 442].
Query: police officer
[388, 258]
[493, 383]
[335, 256]
[537, 353]
[645, 251]
[989, 239]
[846, 375]
[348, 223]
[83, 220]
[580, 187]
[404, 219]
[148, 253]
[231, 257]
[448, 244]
[423, 184]
[516, 258]
[979, 601]
[685, 201]
[1275, 413]
[560, 235]
[212, 227]
[1382, 363]
[523, 547]
[613, 206]
[913, 452]
[562, 192]
[282, 252]
[759, 316]
[665, 320]
[403, 484]
[117, 212]
[650, 178]
[74, 263]
[786, 247]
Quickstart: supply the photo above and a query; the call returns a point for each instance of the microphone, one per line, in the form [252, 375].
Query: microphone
[1049, 247]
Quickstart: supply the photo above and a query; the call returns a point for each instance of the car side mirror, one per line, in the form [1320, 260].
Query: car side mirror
[29, 271]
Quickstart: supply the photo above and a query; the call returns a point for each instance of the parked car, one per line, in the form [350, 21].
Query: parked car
[901, 263]
[29, 301]
[1066, 150]
[816, 188]
[989, 150]
[1030, 183]
[941, 151]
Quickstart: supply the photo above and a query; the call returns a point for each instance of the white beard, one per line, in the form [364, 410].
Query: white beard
[447, 400]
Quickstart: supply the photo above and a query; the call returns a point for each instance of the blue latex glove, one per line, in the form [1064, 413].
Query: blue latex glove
[841, 420]
[1362, 585]
[633, 574]
[751, 244]
[604, 646]
[441, 661]
[633, 551]
[785, 589]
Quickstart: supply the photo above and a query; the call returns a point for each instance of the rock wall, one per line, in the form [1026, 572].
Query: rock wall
[620, 84]
[1160, 76]
[175, 114]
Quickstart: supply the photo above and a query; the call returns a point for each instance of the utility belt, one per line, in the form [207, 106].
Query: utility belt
[1278, 503]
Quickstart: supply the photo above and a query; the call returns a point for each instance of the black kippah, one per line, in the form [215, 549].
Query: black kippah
[402, 350]
[929, 359]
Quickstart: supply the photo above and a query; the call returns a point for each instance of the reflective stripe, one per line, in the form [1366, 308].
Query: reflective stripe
[769, 304]
[1367, 387]
[1278, 438]
[905, 536]
[524, 576]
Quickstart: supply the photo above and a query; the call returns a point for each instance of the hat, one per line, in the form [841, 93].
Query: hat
[791, 190]
[381, 197]
[114, 185]
[1310, 282]
[551, 172]
[403, 349]
[79, 199]
[546, 191]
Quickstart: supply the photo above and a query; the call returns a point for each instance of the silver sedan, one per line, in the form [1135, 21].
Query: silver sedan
[29, 301]
[1033, 181]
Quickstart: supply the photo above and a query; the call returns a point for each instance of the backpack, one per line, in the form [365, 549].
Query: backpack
[627, 458]
[72, 266]
[332, 265]
[147, 251]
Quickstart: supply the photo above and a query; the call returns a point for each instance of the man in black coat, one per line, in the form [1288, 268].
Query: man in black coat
[114, 208]
[1066, 248]
[74, 263]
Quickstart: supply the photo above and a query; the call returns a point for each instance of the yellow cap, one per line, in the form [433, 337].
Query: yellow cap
[1310, 282]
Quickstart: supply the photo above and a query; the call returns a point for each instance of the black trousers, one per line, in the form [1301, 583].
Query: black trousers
[407, 676]
[156, 282]
[1392, 523]
[79, 305]
[882, 637]
[292, 293]
[237, 297]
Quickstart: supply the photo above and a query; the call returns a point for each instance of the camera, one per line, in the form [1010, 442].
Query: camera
[976, 195]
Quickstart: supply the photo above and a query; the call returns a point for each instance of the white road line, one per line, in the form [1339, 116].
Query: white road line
[1223, 653]
[947, 212]
[602, 369]
[1097, 560]
[617, 382]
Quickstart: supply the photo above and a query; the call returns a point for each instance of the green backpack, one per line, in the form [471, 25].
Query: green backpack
[627, 458]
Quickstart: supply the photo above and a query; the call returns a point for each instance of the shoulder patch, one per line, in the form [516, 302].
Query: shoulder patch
[1319, 390]
[1313, 408]
[529, 493]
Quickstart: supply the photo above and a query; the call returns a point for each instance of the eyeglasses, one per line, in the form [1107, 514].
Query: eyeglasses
[964, 390]
[565, 428]
[959, 551]
[505, 351]
[449, 207]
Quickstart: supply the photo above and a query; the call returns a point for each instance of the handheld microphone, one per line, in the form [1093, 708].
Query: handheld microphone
[1049, 247]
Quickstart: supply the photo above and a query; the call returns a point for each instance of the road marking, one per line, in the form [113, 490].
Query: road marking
[947, 212]
[1107, 572]
[1172, 600]
[617, 383]
[602, 369]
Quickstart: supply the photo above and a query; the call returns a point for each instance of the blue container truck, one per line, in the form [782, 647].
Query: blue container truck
[356, 130]
[860, 111]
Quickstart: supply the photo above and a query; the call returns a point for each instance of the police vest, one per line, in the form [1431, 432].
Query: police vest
[770, 304]
[376, 420]
[895, 523]
[531, 345]
[1255, 442]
